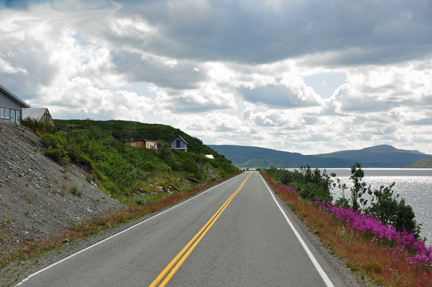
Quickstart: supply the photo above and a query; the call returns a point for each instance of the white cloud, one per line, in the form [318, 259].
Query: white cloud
[231, 71]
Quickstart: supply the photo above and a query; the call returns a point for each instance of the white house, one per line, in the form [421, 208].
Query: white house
[179, 143]
[10, 106]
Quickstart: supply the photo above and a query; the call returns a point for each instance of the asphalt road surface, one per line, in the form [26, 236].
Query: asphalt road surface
[234, 234]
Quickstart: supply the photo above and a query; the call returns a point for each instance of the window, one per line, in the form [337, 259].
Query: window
[47, 118]
[2, 113]
[18, 117]
[133, 144]
[177, 143]
[12, 116]
[7, 114]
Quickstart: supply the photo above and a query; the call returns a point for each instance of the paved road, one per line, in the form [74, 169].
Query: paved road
[249, 243]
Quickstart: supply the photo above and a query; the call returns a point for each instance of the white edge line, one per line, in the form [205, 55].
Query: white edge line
[309, 253]
[106, 239]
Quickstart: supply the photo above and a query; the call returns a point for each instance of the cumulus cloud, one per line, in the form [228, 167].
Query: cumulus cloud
[231, 71]
[229, 30]
[201, 100]
[280, 96]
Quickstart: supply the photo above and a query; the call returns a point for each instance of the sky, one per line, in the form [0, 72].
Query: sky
[307, 76]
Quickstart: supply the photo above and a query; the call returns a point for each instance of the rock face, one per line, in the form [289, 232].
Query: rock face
[38, 197]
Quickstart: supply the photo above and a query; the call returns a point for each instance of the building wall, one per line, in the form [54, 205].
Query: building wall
[7, 102]
[151, 145]
[136, 144]
[47, 118]
[183, 146]
[9, 106]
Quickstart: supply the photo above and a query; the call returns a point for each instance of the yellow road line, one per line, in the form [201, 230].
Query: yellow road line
[200, 234]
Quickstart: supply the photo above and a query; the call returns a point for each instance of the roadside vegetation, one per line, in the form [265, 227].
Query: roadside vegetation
[372, 231]
[125, 172]
[144, 180]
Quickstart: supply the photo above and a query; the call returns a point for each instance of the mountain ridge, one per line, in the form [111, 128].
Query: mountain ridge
[384, 156]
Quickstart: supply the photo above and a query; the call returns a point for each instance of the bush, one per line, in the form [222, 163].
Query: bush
[56, 148]
[143, 199]
[393, 213]
[75, 191]
[383, 205]
[312, 184]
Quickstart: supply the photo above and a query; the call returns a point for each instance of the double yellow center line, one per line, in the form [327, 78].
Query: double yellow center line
[186, 251]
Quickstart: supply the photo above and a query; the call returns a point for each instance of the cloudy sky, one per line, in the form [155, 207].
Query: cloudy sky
[308, 76]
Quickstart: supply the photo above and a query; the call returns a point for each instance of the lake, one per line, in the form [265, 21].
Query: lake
[415, 185]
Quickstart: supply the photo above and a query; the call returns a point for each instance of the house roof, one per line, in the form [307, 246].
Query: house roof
[33, 113]
[179, 136]
[142, 140]
[13, 97]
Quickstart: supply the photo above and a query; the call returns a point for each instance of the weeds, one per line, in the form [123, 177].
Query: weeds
[26, 196]
[386, 256]
[75, 191]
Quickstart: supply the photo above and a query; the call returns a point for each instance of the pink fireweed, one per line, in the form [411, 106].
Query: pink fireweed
[414, 250]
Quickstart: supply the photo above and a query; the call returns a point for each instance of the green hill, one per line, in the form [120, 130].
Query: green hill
[253, 157]
[379, 156]
[423, 163]
[124, 171]
[127, 130]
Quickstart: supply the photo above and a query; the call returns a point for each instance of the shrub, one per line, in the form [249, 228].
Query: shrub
[56, 148]
[75, 191]
[383, 205]
[143, 199]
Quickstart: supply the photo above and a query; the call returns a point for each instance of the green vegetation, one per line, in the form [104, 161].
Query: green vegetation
[127, 172]
[75, 191]
[377, 247]
[311, 184]
[423, 163]
[381, 203]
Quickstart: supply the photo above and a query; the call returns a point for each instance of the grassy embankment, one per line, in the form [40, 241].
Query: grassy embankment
[144, 180]
[377, 251]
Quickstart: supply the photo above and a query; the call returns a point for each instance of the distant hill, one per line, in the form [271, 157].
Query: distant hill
[253, 157]
[379, 156]
[423, 163]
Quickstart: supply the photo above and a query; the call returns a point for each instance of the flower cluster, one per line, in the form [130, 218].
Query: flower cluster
[416, 252]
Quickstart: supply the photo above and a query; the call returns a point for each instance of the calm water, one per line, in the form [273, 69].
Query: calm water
[415, 185]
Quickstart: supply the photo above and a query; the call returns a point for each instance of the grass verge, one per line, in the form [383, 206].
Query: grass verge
[383, 259]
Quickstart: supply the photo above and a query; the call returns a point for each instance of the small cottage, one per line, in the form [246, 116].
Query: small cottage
[10, 106]
[179, 143]
[142, 143]
[39, 114]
